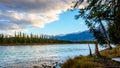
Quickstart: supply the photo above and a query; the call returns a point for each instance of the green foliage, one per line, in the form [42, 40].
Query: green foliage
[97, 15]
[114, 33]
[22, 38]
[99, 36]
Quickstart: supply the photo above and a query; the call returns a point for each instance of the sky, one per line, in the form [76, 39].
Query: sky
[39, 17]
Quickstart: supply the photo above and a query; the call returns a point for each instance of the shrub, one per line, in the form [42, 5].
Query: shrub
[80, 63]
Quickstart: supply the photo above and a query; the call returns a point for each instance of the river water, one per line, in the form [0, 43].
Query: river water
[31, 55]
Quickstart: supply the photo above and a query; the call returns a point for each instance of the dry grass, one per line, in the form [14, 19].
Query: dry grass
[81, 62]
[115, 52]
[95, 62]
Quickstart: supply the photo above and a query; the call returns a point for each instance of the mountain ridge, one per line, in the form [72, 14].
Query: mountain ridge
[76, 36]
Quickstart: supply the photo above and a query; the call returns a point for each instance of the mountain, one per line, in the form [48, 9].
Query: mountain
[78, 36]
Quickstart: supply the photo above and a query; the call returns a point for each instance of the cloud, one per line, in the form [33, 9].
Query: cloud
[36, 5]
[20, 14]
[12, 32]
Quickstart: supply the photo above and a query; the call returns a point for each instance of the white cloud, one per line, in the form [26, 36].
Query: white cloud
[12, 32]
[20, 14]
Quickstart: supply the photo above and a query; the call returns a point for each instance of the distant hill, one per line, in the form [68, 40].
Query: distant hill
[78, 36]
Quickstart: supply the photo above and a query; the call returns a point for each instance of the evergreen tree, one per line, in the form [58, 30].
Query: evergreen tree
[98, 12]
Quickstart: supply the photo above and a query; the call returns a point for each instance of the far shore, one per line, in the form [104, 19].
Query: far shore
[25, 44]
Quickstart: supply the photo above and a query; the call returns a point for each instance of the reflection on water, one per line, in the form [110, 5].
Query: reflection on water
[31, 55]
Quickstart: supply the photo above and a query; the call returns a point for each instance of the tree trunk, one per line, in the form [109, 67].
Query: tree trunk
[90, 50]
[97, 53]
[106, 35]
[109, 45]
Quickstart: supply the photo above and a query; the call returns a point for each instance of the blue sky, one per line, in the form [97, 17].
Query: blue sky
[66, 24]
[39, 17]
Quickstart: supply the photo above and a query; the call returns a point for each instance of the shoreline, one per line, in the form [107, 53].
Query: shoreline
[105, 61]
[34, 64]
[39, 44]
[26, 44]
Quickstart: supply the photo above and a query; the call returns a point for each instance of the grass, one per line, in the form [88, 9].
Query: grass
[115, 52]
[95, 62]
[81, 62]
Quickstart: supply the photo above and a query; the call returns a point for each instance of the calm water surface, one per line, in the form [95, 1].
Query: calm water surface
[32, 55]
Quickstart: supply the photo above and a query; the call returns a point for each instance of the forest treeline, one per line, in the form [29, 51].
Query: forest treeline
[22, 38]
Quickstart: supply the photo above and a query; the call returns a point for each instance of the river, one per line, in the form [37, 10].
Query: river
[31, 55]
